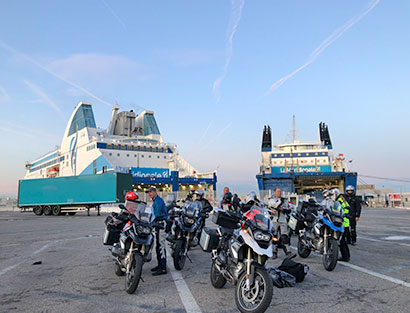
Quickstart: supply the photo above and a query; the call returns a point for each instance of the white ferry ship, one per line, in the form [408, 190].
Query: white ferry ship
[131, 144]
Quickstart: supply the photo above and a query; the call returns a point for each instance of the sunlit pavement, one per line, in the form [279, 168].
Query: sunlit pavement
[76, 273]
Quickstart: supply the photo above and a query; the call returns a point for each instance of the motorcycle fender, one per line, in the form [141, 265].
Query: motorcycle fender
[254, 245]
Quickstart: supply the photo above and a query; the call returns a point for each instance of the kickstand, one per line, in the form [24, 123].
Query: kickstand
[142, 279]
[188, 258]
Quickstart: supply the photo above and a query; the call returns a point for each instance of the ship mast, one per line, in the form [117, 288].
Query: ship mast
[294, 129]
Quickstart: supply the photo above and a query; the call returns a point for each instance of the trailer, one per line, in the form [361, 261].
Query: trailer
[72, 194]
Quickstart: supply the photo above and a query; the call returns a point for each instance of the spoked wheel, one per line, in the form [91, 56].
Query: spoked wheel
[330, 258]
[179, 254]
[217, 280]
[38, 210]
[133, 274]
[258, 297]
[303, 250]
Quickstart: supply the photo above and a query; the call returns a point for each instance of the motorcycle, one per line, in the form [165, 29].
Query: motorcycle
[135, 246]
[240, 247]
[187, 226]
[319, 228]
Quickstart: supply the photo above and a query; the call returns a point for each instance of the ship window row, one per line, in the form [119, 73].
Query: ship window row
[301, 154]
[91, 147]
[52, 162]
[114, 146]
[300, 162]
[136, 155]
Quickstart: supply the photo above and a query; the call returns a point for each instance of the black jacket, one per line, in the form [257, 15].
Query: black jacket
[355, 205]
[206, 206]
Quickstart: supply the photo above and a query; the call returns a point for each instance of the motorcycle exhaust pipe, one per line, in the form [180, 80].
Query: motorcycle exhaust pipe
[117, 251]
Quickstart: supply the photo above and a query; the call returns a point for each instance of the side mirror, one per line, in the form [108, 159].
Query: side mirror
[122, 207]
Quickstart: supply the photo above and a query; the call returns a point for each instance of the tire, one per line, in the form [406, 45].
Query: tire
[56, 210]
[47, 210]
[118, 270]
[330, 261]
[133, 275]
[265, 287]
[179, 258]
[71, 213]
[303, 250]
[217, 280]
[38, 210]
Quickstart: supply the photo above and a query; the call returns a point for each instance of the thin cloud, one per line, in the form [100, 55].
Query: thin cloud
[325, 43]
[3, 94]
[40, 92]
[29, 59]
[221, 132]
[236, 13]
[26, 132]
[114, 14]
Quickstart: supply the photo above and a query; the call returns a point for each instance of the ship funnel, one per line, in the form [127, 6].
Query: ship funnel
[324, 135]
[266, 139]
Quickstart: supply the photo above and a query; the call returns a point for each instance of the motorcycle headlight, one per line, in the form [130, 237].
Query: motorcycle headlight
[143, 230]
[262, 236]
[188, 220]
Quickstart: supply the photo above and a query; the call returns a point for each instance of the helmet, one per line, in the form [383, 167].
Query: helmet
[274, 203]
[326, 193]
[350, 188]
[131, 196]
[199, 192]
[336, 192]
[227, 198]
[251, 197]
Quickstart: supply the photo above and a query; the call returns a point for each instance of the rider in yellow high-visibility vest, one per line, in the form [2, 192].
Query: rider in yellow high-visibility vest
[344, 248]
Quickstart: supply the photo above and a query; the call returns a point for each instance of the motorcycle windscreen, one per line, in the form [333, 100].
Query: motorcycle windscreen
[333, 207]
[259, 218]
[191, 209]
[144, 212]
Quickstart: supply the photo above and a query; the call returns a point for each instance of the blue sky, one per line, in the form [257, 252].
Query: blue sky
[165, 56]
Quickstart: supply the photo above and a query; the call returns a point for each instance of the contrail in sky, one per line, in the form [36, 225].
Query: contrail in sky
[236, 14]
[206, 131]
[26, 57]
[4, 94]
[40, 92]
[326, 43]
[114, 14]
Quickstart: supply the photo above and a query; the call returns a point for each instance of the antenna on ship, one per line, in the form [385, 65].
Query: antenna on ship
[294, 129]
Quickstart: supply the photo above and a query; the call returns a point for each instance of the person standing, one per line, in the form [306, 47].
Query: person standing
[355, 211]
[280, 209]
[344, 248]
[160, 214]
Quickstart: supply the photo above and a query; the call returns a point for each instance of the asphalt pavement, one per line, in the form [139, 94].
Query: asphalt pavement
[59, 264]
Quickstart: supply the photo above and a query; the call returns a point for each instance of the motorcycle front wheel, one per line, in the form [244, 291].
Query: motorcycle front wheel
[179, 254]
[133, 274]
[258, 297]
[303, 250]
[217, 280]
[330, 258]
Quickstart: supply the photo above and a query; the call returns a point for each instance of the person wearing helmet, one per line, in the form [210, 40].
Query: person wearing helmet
[279, 208]
[205, 206]
[355, 211]
[250, 200]
[131, 202]
[344, 248]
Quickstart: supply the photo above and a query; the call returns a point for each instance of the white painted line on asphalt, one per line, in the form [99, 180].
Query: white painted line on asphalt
[384, 241]
[46, 246]
[185, 294]
[369, 272]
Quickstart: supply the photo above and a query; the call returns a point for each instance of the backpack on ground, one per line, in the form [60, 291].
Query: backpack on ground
[296, 269]
[281, 279]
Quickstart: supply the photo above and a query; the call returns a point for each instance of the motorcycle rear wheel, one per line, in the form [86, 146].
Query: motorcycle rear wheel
[178, 256]
[261, 291]
[303, 250]
[330, 260]
[217, 280]
[133, 274]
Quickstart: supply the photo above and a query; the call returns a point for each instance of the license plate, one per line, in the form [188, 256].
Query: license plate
[292, 223]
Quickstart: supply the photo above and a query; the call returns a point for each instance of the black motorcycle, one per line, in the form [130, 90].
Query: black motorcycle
[184, 233]
[135, 246]
[319, 228]
[240, 248]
